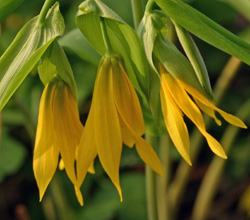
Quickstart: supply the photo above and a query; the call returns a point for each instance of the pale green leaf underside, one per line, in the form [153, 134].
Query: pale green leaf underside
[25, 51]
[206, 29]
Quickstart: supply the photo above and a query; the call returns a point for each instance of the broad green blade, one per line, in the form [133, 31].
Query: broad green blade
[25, 51]
[206, 29]
[8, 6]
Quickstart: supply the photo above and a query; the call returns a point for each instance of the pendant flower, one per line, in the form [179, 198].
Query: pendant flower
[176, 102]
[58, 132]
[115, 117]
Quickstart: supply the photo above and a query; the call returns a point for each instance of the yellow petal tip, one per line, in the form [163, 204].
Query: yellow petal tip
[79, 195]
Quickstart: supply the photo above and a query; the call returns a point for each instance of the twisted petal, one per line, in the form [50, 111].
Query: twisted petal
[67, 127]
[228, 117]
[46, 152]
[191, 110]
[210, 112]
[175, 124]
[108, 137]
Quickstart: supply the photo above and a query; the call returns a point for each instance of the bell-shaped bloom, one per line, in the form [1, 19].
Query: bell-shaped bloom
[115, 118]
[58, 132]
[175, 101]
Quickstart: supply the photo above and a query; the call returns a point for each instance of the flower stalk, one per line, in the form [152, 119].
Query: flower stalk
[211, 180]
[151, 193]
[44, 12]
[108, 47]
[137, 9]
[179, 184]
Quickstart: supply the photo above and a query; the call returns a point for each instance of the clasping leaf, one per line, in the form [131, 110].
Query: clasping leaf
[25, 51]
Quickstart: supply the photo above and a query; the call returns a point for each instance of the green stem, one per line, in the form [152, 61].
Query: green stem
[163, 181]
[137, 9]
[211, 180]
[149, 6]
[108, 47]
[151, 185]
[64, 212]
[44, 11]
[180, 181]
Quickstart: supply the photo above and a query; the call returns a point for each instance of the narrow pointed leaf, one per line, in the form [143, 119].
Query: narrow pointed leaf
[195, 58]
[206, 29]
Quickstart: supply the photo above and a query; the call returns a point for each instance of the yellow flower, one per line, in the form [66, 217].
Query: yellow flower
[176, 101]
[115, 117]
[58, 132]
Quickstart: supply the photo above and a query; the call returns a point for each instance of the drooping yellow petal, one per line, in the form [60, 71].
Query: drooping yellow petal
[108, 138]
[67, 127]
[214, 145]
[79, 195]
[175, 124]
[210, 112]
[87, 150]
[187, 106]
[126, 100]
[46, 154]
[228, 117]
[148, 155]
[61, 165]
[127, 137]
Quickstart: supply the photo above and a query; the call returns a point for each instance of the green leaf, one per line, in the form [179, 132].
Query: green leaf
[12, 156]
[8, 6]
[122, 37]
[206, 29]
[195, 58]
[56, 64]
[176, 63]
[25, 51]
[78, 44]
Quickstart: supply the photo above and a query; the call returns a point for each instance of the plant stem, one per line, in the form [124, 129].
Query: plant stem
[64, 212]
[149, 6]
[44, 11]
[137, 9]
[108, 47]
[151, 185]
[178, 185]
[211, 180]
[163, 181]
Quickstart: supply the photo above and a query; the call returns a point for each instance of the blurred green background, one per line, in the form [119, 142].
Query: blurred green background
[19, 198]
